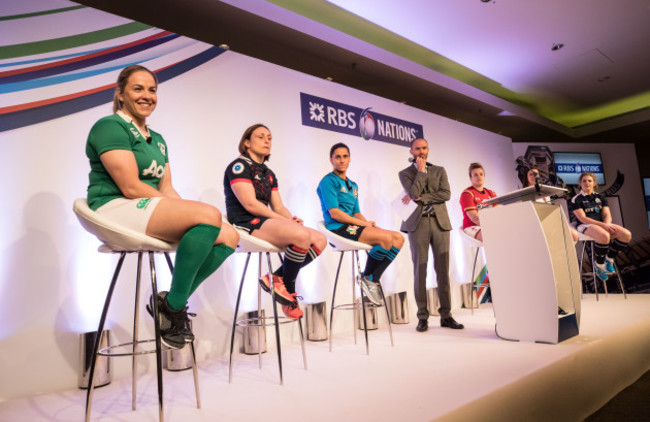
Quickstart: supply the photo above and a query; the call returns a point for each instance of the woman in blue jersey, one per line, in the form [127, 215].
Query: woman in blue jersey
[130, 183]
[340, 205]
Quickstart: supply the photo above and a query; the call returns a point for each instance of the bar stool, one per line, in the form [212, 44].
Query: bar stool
[249, 245]
[584, 238]
[343, 245]
[477, 245]
[118, 239]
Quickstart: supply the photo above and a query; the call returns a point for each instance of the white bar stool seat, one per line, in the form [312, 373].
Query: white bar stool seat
[122, 240]
[343, 245]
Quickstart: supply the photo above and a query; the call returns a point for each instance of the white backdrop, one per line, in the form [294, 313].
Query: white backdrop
[53, 281]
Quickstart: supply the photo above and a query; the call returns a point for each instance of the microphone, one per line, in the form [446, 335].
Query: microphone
[538, 181]
[148, 139]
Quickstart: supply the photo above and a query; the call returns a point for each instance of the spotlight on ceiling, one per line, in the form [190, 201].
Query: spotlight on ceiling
[557, 46]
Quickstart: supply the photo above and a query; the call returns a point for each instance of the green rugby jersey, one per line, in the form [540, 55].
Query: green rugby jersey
[111, 133]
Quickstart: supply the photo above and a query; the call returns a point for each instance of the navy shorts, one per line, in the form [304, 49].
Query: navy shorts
[349, 231]
[249, 226]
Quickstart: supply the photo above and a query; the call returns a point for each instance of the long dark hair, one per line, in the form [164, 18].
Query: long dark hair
[337, 146]
[246, 136]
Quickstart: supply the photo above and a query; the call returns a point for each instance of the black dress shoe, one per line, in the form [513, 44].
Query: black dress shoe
[423, 325]
[450, 322]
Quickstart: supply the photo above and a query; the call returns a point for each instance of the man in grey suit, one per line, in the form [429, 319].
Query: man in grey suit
[429, 224]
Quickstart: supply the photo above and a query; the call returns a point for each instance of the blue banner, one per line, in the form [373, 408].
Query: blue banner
[577, 168]
[343, 118]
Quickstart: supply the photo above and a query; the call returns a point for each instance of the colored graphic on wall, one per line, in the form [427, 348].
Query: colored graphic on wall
[55, 62]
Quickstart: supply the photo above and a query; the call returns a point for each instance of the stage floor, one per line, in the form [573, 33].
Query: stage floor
[442, 374]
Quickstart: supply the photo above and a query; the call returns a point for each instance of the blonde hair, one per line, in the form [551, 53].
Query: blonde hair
[123, 79]
[590, 174]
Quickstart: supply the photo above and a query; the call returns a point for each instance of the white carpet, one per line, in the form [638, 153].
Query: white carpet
[442, 374]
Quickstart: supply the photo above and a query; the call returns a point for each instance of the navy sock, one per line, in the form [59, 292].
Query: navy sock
[293, 260]
[390, 257]
[600, 250]
[615, 247]
[376, 255]
[312, 254]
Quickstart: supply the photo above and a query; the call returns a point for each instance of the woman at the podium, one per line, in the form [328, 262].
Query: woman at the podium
[594, 219]
[532, 177]
[471, 198]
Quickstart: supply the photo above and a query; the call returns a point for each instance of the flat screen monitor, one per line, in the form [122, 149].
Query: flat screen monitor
[569, 166]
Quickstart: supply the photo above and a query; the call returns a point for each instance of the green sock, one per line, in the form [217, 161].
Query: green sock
[194, 247]
[215, 258]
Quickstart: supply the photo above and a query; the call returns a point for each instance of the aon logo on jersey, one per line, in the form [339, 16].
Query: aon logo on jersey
[154, 170]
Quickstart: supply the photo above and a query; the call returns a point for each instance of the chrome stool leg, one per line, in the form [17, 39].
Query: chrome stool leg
[195, 371]
[154, 290]
[134, 349]
[336, 281]
[593, 271]
[275, 318]
[100, 331]
[363, 302]
[582, 258]
[260, 328]
[390, 327]
[234, 318]
[355, 308]
[381, 290]
[302, 343]
[620, 281]
[471, 290]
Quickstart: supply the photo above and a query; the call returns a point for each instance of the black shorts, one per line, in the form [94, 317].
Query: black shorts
[249, 226]
[349, 231]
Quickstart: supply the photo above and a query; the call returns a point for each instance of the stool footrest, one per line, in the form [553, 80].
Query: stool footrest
[350, 306]
[108, 351]
[264, 321]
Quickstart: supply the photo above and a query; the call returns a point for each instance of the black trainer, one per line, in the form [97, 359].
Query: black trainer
[174, 324]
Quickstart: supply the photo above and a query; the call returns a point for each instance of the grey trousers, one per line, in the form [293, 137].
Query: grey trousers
[428, 232]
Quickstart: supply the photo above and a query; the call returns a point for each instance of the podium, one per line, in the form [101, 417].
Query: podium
[533, 267]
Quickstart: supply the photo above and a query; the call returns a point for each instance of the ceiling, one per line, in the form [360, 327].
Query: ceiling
[490, 64]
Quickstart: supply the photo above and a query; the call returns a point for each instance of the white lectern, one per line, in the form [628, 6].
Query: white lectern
[533, 267]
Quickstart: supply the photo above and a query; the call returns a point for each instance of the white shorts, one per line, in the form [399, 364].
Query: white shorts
[583, 227]
[131, 213]
[472, 231]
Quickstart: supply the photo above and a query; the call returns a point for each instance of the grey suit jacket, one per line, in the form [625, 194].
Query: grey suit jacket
[433, 188]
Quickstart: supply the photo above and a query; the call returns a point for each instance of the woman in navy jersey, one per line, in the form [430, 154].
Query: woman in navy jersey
[253, 204]
[594, 219]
